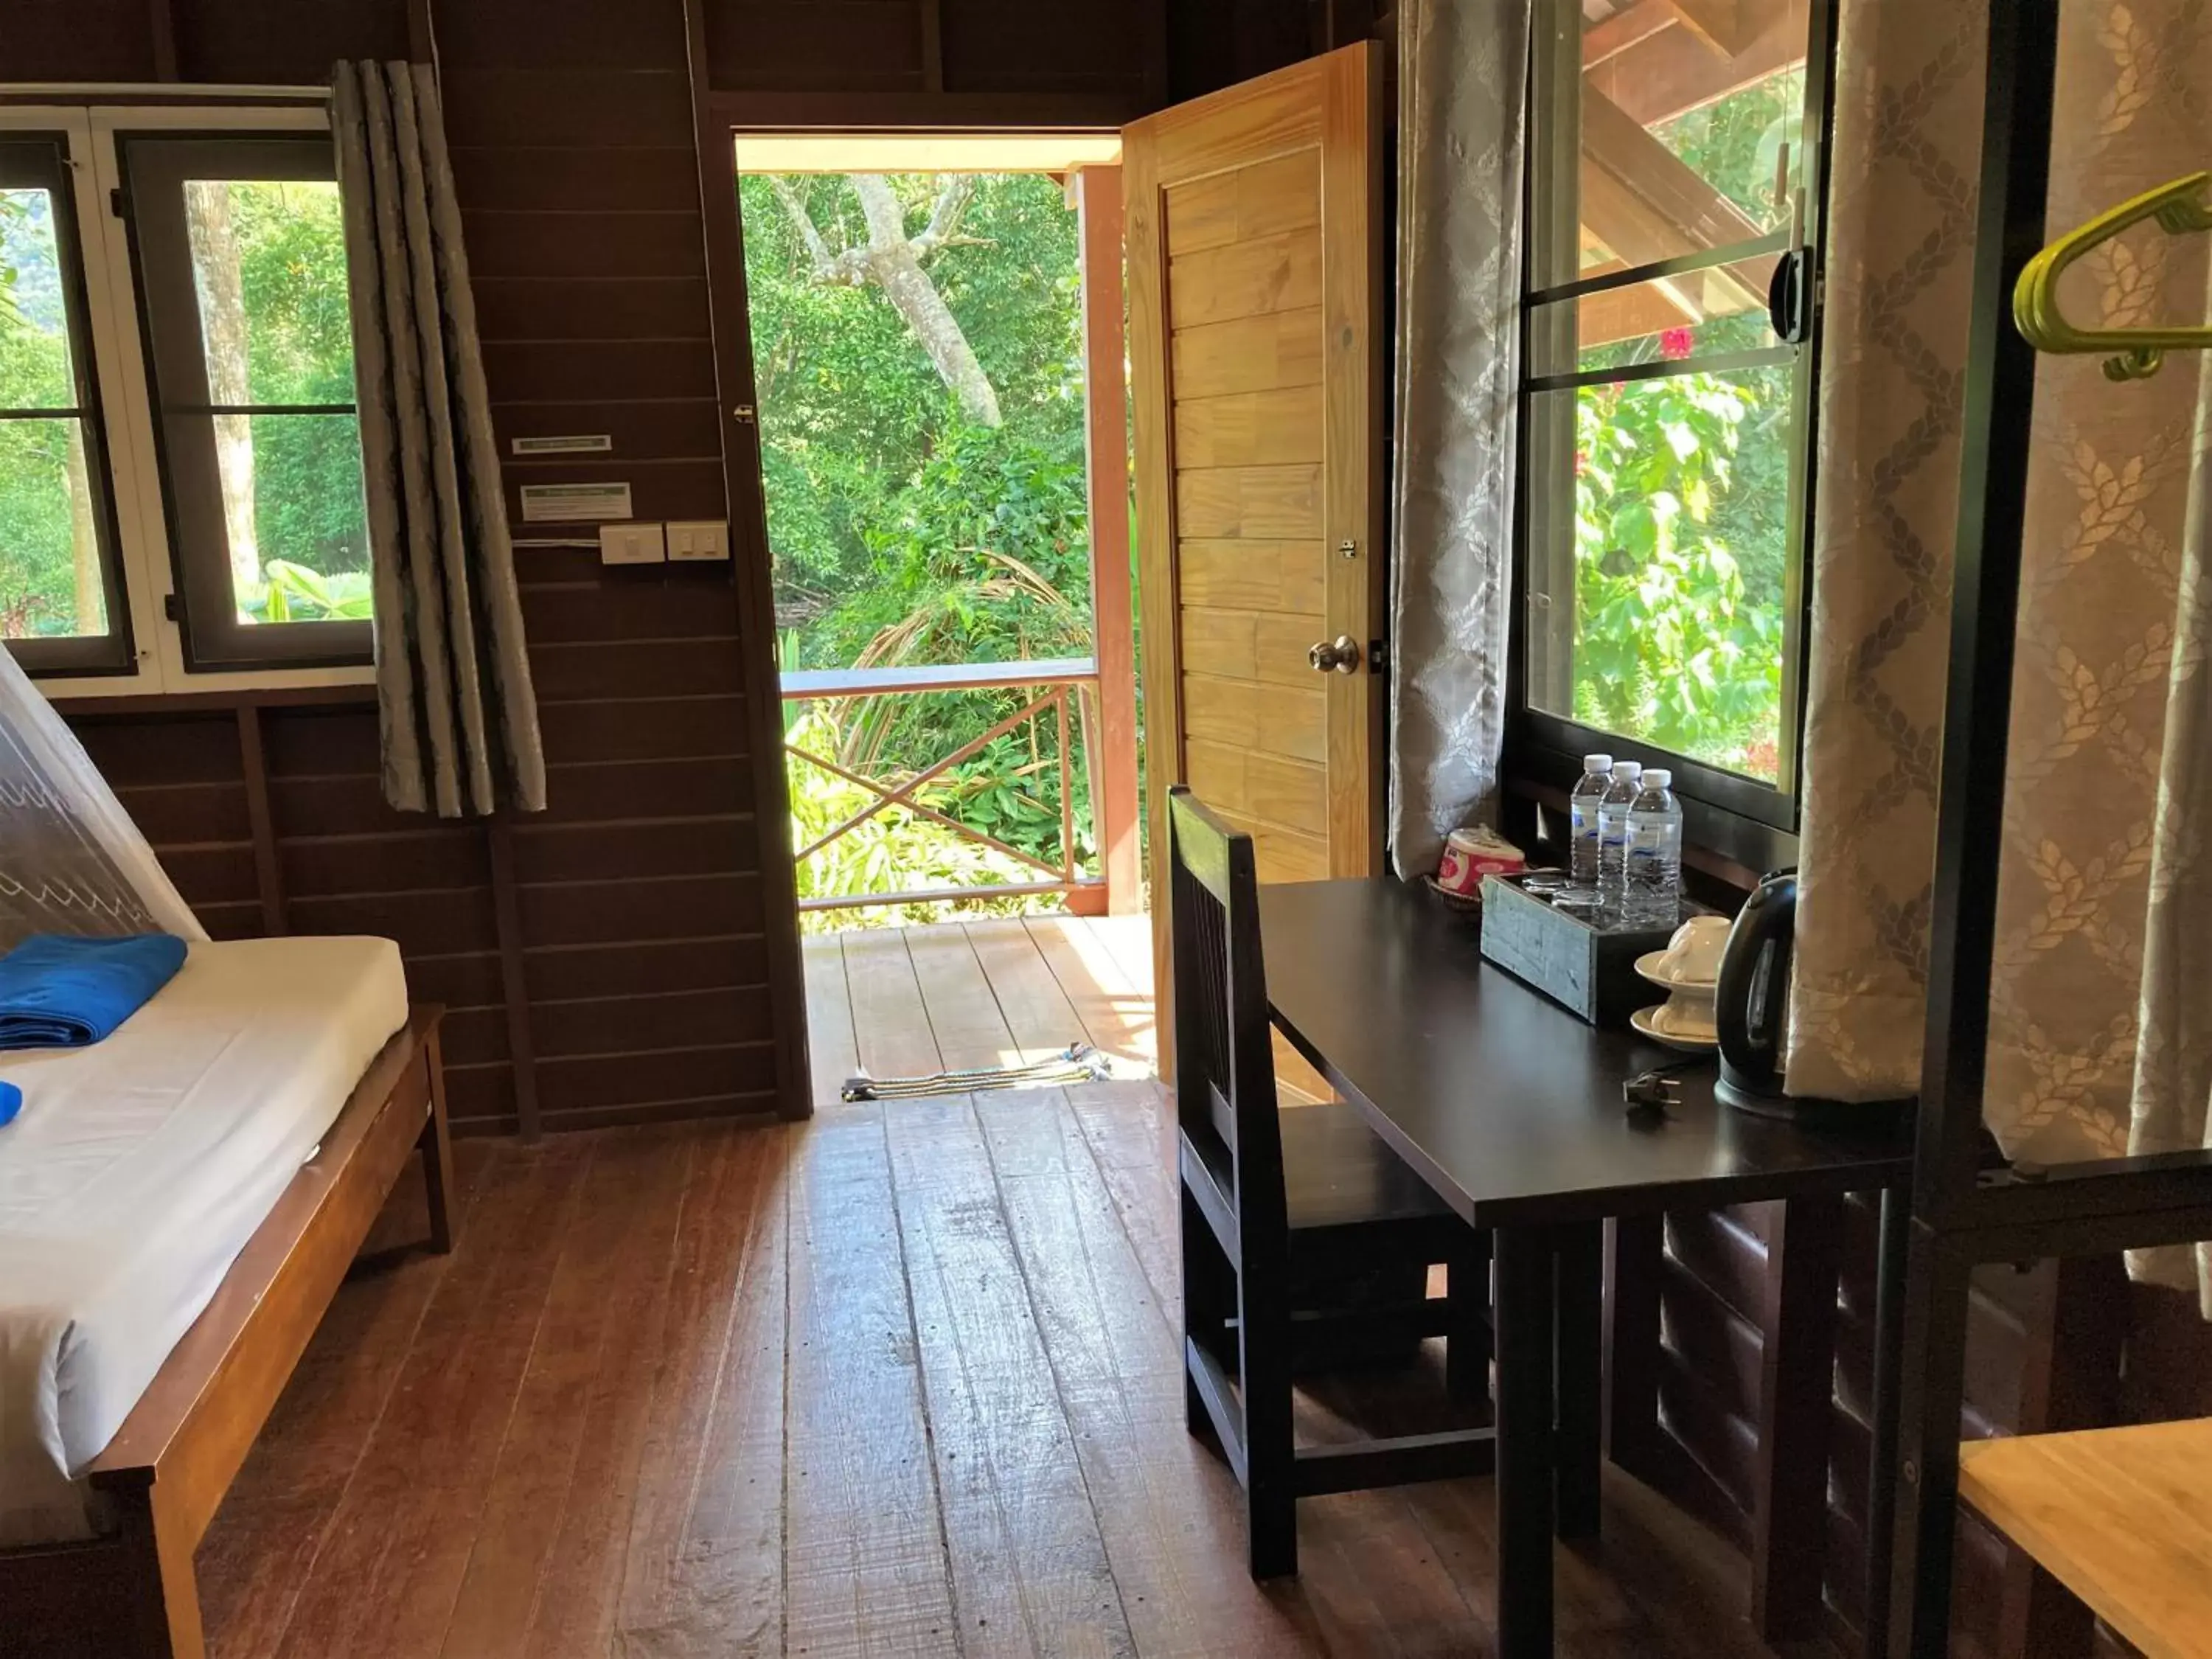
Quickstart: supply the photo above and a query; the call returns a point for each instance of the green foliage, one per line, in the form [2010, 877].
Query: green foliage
[308, 507]
[1668, 647]
[38, 540]
[898, 850]
[851, 407]
[1682, 495]
[308, 513]
[292, 592]
[903, 534]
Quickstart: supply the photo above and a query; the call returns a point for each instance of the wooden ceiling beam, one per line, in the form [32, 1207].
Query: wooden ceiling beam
[1663, 71]
[1645, 202]
[1628, 313]
[1626, 29]
[1726, 27]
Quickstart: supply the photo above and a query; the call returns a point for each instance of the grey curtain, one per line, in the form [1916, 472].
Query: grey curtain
[1463, 84]
[459, 717]
[1900, 257]
[2100, 1010]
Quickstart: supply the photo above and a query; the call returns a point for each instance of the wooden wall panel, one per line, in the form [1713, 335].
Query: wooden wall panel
[816, 46]
[77, 40]
[1018, 45]
[612, 959]
[283, 41]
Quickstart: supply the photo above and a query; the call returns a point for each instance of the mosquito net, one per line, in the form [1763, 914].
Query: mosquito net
[70, 859]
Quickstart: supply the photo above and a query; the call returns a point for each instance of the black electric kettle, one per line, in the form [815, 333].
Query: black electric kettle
[1751, 999]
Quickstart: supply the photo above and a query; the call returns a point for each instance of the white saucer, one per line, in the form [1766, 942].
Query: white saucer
[1643, 1021]
[1651, 966]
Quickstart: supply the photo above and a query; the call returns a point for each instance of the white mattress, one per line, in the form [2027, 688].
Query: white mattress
[137, 1170]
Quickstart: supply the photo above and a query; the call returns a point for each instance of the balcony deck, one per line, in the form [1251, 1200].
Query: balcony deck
[956, 995]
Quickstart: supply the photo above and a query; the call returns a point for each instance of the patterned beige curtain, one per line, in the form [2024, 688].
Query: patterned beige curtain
[457, 711]
[1463, 82]
[2090, 1054]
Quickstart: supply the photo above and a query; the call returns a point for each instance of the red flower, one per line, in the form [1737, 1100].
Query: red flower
[1675, 344]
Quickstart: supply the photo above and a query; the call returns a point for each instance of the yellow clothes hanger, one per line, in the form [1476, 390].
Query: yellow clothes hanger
[2138, 351]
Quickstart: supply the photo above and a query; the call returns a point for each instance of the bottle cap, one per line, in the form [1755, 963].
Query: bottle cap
[1657, 777]
[1630, 770]
[1597, 763]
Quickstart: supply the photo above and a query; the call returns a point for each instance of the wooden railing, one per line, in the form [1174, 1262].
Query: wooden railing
[1052, 685]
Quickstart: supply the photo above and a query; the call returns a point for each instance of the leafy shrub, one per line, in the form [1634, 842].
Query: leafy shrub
[292, 592]
[898, 850]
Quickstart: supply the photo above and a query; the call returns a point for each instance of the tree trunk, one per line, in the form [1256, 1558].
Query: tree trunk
[892, 263]
[222, 329]
[91, 595]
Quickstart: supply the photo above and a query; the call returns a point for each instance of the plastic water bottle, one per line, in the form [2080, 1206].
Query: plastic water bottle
[1653, 882]
[1613, 836]
[1582, 808]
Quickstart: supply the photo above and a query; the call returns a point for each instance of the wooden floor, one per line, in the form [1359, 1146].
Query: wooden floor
[901, 1381]
[958, 996]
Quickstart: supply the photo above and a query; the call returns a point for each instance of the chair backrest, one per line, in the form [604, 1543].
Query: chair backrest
[1225, 1057]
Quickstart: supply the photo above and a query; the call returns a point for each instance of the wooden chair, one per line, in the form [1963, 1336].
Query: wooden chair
[1282, 1211]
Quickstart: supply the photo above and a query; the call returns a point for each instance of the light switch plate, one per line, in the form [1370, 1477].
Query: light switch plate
[632, 543]
[698, 539]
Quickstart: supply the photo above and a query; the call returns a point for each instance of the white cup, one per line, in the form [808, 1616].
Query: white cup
[1692, 957]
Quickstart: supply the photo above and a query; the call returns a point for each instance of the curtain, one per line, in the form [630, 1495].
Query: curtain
[1900, 236]
[1463, 96]
[2174, 1047]
[458, 715]
[2099, 1042]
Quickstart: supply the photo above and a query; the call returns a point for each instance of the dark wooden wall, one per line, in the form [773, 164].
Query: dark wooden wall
[627, 956]
[615, 960]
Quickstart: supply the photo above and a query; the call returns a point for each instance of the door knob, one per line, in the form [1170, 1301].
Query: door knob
[1340, 655]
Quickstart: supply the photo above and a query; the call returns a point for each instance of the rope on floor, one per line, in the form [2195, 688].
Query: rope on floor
[1077, 1063]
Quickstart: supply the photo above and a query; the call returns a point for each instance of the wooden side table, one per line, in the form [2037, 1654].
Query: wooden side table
[2122, 1518]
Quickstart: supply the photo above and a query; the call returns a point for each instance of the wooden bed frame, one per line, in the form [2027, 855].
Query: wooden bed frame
[130, 1594]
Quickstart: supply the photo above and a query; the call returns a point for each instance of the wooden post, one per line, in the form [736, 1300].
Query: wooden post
[1098, 194]
[268, 870]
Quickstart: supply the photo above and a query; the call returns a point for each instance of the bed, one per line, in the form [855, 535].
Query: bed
[175, 1215]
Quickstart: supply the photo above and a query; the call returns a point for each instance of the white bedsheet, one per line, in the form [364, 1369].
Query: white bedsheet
[137, 1170]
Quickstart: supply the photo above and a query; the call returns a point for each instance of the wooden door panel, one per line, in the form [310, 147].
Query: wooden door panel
[1259, 575]
[1264, 503]
[1247, 428]
[1284, 794]
[1244, 202]
[1250, 645]
[1273, 719]
[1251, 354]
[1246, 279]
[1255, 352]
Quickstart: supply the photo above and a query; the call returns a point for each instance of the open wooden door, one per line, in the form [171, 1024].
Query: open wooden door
[1256, 363]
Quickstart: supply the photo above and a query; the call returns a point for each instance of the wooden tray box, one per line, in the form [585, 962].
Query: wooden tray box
[1590, 971]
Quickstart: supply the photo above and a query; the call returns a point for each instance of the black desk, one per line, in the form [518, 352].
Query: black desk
[1511, 1109]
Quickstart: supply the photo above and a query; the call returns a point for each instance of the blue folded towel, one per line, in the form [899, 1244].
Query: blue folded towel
[62, 992]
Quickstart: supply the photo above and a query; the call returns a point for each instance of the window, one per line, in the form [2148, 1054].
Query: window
[240, 267]
[180, 477]
[1674, 191]
[60, 599]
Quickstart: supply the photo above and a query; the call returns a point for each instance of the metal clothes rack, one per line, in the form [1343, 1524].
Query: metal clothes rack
[1961, 1214]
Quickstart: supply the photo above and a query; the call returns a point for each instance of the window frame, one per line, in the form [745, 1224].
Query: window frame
[162, 663]
[209, 635]
[1744, 819]
[113, 652]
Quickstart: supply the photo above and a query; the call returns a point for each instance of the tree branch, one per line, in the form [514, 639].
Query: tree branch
[843, 268]
[943, 229]
[897, 270]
